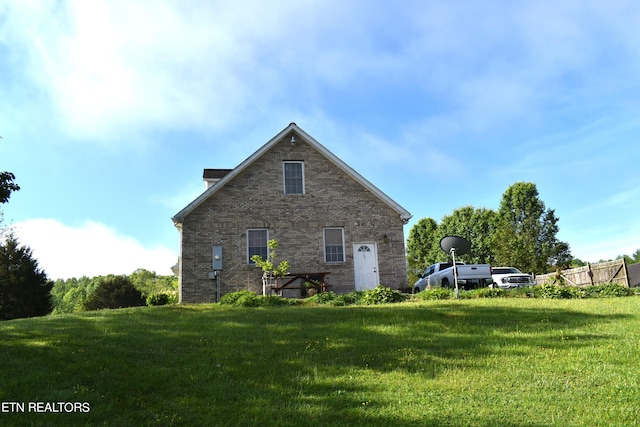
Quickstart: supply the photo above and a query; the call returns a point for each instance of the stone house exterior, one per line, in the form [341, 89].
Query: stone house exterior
[323, 214]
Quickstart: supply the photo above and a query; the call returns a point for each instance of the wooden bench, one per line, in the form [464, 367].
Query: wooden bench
[316, 281]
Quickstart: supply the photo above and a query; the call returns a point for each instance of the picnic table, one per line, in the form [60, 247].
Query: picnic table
[305, 281]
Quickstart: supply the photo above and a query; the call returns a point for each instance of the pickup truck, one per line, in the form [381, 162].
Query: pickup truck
[470, 276]
[510, 277]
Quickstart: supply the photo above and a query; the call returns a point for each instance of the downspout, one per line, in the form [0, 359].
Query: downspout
[178, 225]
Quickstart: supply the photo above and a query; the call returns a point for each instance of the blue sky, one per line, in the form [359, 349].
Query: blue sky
[110, 110]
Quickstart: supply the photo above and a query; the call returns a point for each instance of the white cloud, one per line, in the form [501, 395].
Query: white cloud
[91, 249]
[114, 66]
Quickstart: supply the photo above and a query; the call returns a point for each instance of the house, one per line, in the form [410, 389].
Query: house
[324, 215]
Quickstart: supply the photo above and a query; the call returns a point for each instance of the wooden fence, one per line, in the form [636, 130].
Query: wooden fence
[591, 274]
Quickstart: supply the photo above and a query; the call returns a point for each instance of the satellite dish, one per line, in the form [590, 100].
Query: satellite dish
[460, 245]
[454, 245]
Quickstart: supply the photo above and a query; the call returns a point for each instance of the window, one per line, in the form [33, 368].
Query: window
[333, 245]
[257, 244]
[293, 177]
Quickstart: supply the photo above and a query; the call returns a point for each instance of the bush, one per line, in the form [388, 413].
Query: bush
[162, 298]
[331, 298]
[484, 293]
[251, 299]
[114, 292]
[323, 298]
[352, 298]
[609, 290]
[239, 299]
[521, 292]
[435, 294]
[382, 295]
[548, 290]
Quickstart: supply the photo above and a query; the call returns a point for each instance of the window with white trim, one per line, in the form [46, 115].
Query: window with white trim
[257, 244]
[293, 173]
[333, 245]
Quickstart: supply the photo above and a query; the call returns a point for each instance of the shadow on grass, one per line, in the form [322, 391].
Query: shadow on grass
[290, 366]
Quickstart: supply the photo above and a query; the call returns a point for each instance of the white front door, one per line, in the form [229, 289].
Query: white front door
[365, 265]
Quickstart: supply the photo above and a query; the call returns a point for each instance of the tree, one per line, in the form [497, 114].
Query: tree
[149, 283]
[7, 186]
[24, 287]
[526, 231]
[477, 226]
[69, 295]
[420, 247]
[114, 292]
[268, 265]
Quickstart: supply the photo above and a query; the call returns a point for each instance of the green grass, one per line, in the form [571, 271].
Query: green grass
[480, 362]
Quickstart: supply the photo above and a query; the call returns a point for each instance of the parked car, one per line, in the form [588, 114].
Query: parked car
[441, 275]
[510, 277]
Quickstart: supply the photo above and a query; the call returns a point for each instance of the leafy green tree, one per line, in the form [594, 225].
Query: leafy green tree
[24, 287]
[475, 225]
[69, 295]
[7, 186]
[421, 249]
[526, 231]
[149, 283]
[577, 262]
[114, 292]
[632, 259]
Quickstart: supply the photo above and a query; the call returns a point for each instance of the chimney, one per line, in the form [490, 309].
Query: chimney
[212, 176]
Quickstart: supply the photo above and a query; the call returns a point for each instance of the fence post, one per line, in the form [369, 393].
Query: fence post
[626, 272]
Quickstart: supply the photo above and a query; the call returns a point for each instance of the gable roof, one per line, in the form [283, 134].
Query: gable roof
[403, 213]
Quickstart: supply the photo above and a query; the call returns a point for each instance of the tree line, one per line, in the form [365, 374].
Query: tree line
[112, 291]
[522, 233]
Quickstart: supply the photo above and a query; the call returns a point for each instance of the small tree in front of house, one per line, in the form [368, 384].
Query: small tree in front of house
[270, 273]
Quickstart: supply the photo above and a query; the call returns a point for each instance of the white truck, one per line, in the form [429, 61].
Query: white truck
[470, 276]
[510, 277]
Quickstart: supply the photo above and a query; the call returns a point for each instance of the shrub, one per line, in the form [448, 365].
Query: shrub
[323, 298]
[251, 299]
[114, 292]
[608, 290]
[484, 293]
[331, 298]
[162, 298]
[435, 294]
[548, 290]
[523, 292]
[382, 295]
[239, 298]
[352, 298]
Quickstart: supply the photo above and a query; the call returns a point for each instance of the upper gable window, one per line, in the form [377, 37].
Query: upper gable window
[293, 177]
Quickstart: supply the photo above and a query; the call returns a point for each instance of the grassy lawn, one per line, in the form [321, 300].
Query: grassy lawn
[482, 362]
